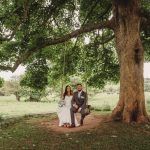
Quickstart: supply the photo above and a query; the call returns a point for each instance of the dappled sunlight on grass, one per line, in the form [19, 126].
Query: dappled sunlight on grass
[106, 136]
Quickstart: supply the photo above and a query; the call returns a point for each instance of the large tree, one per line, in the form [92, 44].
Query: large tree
[28, 27]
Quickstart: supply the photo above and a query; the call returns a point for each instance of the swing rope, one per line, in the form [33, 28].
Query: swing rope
[63, 75]
[85, 68]
[63, 71]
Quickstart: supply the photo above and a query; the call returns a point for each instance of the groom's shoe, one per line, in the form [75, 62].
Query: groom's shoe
[81, 122]
[72, 126]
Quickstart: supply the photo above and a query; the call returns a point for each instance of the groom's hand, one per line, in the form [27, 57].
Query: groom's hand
[76, 106]
[79, 109]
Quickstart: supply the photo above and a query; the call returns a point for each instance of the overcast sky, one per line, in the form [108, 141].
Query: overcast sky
[7, 75]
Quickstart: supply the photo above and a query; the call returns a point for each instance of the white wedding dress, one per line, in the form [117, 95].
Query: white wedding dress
[64, 112]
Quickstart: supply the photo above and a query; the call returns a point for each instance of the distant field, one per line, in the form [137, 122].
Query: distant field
[111, 99]
[103, 99]
[9, 107]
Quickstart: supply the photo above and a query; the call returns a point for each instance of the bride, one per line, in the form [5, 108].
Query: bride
[64, 108]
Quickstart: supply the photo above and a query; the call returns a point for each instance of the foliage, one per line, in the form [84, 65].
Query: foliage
[35, 79]
[36, 74]
[12, 86]
[100, 63]
[27, 28]
[32, 95]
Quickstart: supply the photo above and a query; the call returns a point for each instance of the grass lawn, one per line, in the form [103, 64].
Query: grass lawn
[107, 136]
[102, 99]
[9, 107]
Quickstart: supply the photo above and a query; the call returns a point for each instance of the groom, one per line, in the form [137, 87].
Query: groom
[79, 101]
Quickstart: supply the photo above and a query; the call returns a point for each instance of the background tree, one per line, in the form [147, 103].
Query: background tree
[28, 27]
[1, 82]
[12, 86]
[36, 77]
[15, 88]
[1, 85]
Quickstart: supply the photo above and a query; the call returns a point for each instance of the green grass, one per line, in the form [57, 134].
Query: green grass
[9, 107]
[107, 136]
[101, 100]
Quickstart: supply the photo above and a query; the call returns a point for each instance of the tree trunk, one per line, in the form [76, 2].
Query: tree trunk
[17, 96]
[131, 105]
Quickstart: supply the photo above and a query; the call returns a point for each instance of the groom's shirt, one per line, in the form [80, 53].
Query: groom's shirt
[79, 93]
[80, 98]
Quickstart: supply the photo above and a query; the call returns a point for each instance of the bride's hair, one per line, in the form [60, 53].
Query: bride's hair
[66, 92]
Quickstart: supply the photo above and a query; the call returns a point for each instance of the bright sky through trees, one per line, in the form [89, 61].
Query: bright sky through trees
[7, 75]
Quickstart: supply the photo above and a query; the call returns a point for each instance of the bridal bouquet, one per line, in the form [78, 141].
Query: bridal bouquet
[61, 103]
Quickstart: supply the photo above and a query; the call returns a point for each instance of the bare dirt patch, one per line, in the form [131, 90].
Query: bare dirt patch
[91, 121]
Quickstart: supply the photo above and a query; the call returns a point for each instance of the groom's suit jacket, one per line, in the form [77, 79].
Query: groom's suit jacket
[80, 101]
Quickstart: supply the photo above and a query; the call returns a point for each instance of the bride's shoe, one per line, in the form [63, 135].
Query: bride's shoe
[72, 126]
[68, 125]
[65, 125]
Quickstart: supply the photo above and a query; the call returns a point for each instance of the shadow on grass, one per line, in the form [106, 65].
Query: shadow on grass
[106, 136]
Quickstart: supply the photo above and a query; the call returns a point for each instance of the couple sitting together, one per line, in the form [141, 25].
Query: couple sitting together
[71, 104]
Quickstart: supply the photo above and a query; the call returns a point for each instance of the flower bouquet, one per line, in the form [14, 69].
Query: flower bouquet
[61, 103]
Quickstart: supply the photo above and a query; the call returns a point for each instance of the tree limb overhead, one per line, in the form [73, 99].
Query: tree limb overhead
[48, 42]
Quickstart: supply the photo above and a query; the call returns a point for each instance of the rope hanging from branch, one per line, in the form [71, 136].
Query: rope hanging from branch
[63, 75]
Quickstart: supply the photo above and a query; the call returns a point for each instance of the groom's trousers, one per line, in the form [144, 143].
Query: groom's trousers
[73, 118]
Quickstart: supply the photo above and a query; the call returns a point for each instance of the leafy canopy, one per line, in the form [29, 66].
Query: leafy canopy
[29, 27]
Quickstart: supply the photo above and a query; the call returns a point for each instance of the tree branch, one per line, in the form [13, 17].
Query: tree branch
[85, 19]
[84, 29]
[49, 41]
[5, 68]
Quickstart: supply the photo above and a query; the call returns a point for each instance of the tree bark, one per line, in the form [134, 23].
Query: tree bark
[17, 96]
[131, 105]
